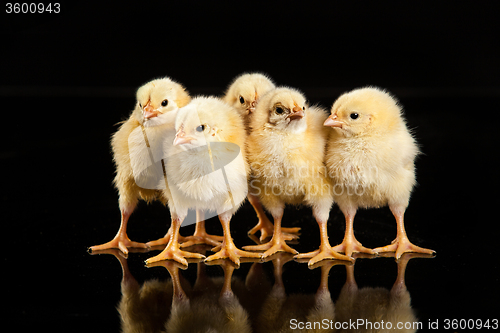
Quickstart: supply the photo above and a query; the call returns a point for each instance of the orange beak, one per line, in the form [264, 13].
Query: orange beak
[149, 112]
[181, 138]
[333, 122]
[297, 113]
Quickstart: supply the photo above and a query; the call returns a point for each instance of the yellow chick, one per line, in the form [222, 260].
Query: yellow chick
[207, 170]
[370, 160]
[243, 94]
[157, 103]
[286, 153]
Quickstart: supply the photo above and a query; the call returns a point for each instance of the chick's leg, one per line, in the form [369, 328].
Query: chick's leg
[325, 251]
[401, 244]
[350, 244]
[228, 249]
[165, 239]
[172, 251]
[265, 226]
[121, 240]
[277, 243]
[200, 235]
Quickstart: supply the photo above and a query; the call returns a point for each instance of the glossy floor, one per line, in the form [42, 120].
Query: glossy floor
[58, 200]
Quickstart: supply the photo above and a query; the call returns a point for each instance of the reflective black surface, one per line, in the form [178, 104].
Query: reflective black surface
[64, 89]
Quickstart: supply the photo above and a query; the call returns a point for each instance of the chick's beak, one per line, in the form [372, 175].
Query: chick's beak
[181, 138]
[251, 107]
[149, 111]
[333, 122]
[297, 113]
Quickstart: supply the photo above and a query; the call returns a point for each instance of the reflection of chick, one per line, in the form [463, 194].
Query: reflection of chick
[243, 94]
[286, 153]
[146, 307]
[297, 312]
[377, 305]
[202, 313]
[157, 102]
[370, 158]
[206, 170]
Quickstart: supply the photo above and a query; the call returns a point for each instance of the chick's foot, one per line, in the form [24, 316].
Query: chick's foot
[165, 239]
[121, 241]
[201, 236]
[324, 252]
[350, 245]
[266, 229]
[401, 245]
[172, 252]
[276, 244]
[230, 251]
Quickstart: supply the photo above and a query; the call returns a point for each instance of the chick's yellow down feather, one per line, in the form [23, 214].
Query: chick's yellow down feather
[243, 94]
[206, 169]
[286, 153]
[157, 103]
[370, 160]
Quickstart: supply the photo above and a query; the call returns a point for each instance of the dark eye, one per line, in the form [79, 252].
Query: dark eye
[242, 100]
[164, 103]
[354, 115]
[304, 108]
[140, 105]
[279, 110]
[200, 128]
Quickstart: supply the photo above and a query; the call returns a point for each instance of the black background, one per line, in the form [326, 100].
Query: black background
[68, 78]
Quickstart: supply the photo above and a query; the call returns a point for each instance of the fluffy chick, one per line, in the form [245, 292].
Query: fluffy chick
[286, 153]
[207, 169]
[243, 94]
[370, 159]
[156, 106]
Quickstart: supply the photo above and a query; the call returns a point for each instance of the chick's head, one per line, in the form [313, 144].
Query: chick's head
[245, 91]
[157, 99]
[207, 119]
[364, 111]
[282, 109]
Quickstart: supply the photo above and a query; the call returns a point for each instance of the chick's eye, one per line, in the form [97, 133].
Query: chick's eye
[304, 108]
[200, 128]
[354, 115]
[242, 100]
[164, 103]
[279, 110]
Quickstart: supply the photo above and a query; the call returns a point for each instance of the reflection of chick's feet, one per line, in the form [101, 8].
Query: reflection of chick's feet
[350, 245]
[324, 252]
[266, 229]
[230, 251]
[276, 244]
[401, 245]
[121, 241]
[172, 252]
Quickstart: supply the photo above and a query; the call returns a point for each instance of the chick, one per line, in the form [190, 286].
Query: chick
[370, 159]
[157, 103]
[286, 153]
[243, 94]
[207, 170]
